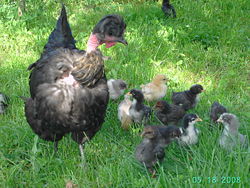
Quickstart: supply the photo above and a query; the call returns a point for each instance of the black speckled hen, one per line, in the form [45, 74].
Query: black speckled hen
[168, 113]
[189, 98]
[68, 87]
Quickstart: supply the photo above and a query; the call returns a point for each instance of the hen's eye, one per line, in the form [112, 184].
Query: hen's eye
[110, 33]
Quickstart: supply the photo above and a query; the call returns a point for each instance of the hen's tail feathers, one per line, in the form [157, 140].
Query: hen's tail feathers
[61, 36]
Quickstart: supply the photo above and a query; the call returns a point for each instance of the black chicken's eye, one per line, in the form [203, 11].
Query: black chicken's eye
[192, 119]
[110, 33]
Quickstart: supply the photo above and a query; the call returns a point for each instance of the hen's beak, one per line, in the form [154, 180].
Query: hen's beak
[203, 90]
[122, 40]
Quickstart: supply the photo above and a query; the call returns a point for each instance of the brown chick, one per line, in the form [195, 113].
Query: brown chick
[155, 140]
[156, 89]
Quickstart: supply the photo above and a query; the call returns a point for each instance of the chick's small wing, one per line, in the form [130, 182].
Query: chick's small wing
[147, 89]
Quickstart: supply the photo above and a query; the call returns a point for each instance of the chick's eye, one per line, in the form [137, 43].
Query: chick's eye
[192, 119]
[110, 33]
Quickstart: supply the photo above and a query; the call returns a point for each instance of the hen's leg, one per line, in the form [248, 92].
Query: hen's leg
[55, 146]
[81, 146]
[80, 138]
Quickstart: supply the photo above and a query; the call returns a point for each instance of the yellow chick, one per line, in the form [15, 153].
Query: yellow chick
[156, 89]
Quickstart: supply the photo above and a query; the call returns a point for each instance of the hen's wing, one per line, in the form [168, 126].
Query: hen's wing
[88, 69]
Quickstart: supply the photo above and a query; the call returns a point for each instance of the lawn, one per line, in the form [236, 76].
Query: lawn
[208, 43]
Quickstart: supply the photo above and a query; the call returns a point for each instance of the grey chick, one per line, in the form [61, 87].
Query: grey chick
[216, 110]
[4, 100]
[231, 137]
[189, 98]
[138, 111]
[116, 88]
[189, 131]
[155, 140]
[123, 112]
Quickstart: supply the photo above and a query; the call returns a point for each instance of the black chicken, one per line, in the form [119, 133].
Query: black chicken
[68, 87]
[138, 111]
[216, 110]
[168, 9]
[151, 149]
[189, 98]
[168, 113]
[189, 132]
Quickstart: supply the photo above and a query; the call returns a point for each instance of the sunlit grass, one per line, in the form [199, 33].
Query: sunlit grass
[208, 43]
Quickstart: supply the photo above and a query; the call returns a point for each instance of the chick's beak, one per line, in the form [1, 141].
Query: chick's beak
[198, 119]
[142, 134]
[219, 120]
[129, 94]
[203, 90]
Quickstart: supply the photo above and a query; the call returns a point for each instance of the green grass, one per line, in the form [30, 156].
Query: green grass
[208, 44]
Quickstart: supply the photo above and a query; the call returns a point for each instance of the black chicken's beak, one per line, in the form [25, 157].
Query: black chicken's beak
[198, 119]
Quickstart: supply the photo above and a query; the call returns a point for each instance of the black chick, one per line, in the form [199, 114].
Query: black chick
[155, 140]
[4, 100]
[68, 87]
[189, 98]
[168, 9]
[189, 131]
[216, 110]
[139, 112]
[168, 113]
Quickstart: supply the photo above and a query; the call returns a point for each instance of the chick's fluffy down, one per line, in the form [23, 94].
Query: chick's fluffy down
[156, 89]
